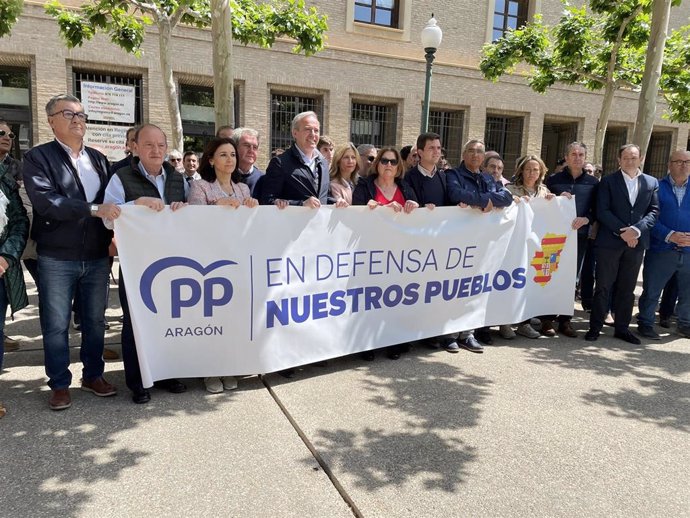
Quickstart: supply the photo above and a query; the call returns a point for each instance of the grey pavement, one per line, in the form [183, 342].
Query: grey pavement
[547, 427]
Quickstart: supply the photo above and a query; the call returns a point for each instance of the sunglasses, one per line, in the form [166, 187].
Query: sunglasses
[4, 133]
[175, 160]
[371, 158]
[391, 161]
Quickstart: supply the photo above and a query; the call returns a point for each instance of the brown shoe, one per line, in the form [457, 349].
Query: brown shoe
[11, 344]
[3, 411]
[566, 328]
[60, 399]
[109, 354]
[99, 386]
[547, 328]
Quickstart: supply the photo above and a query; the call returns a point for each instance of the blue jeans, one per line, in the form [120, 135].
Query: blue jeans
[58, 281]
[3, 311]
[659, 267]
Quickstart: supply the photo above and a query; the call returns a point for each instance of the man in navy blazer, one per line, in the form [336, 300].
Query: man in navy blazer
[65, 181]
[298, 177]
[627, 209]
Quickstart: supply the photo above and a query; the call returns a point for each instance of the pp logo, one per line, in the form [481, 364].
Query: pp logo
[186, 292]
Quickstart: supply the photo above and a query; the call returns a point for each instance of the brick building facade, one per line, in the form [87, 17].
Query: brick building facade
[367, 85]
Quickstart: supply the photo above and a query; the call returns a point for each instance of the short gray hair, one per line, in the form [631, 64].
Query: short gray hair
[473, 142]
[363, 149]
[298, 118]
[56, 99]
[238, 133]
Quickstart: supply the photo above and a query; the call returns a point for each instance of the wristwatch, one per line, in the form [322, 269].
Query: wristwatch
[94, 209]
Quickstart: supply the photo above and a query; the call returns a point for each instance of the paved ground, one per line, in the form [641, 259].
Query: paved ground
[530, 428]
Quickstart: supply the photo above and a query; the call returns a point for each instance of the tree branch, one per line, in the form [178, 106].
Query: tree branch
[611, 68]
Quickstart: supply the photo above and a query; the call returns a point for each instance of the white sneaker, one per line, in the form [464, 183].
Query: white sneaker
[213, 385]
[506, 331]
[229, 382]
[527, 331]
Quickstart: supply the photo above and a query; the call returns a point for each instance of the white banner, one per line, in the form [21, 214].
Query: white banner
[215, 291]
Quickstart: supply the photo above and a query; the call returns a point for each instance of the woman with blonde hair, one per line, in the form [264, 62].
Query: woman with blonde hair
[528, 183]
[344, 172]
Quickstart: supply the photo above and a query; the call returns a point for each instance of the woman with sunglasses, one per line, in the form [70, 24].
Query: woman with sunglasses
[220, 185]
[384, 188]
[14, 229]
[344, 172]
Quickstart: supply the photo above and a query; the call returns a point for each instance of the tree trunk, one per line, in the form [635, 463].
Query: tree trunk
[646, 107]
[221, 35]
[175, 140]
[603, 122]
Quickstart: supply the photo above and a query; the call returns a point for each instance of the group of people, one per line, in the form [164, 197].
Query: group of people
[76, 195]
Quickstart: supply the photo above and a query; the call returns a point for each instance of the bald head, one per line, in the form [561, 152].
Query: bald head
[151, 147]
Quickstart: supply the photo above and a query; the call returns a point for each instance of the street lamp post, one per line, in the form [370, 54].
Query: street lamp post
[431, 40]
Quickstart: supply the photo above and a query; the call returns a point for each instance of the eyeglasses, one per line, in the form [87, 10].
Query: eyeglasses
[391, 161]
[174, 159]
[678, 162]
[69, 115]
[4, 133]
[589, 171]
[371, 158]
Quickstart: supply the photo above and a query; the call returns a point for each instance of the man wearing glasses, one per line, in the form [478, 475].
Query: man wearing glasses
[66, 181]
[669, 250]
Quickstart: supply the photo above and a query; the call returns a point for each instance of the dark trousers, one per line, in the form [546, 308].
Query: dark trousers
[587, 274]
[581, 249]
[667, 307]
[620, 266]
[130, 359]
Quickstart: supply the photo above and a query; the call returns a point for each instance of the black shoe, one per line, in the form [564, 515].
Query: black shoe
[627, 336]
[665, 322]
[647, 332]
[368, 356]
[586, 306]
[393, 352]
[452, 347]
[172, 385]
[287, 373]
[484, 336]
[592, 336]
[470, 343]
[683, 331]
[141, 396]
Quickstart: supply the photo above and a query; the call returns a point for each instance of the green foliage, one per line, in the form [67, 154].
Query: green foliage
[9, 13]
[598, 44]
[262, 23]
[124, 21]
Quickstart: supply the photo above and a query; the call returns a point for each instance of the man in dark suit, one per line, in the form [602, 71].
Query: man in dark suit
[65, 181]
[627, 209]
[298, 177]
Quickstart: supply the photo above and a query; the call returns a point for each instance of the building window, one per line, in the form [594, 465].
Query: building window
[15, 107]
[555, 138]
[658, 152]
[113, 104]
[509, 14]
[449, 125]
[503, 134]
[377, 12]
[614, 139]
[373, 124]
[198, 116]
[284, 107]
